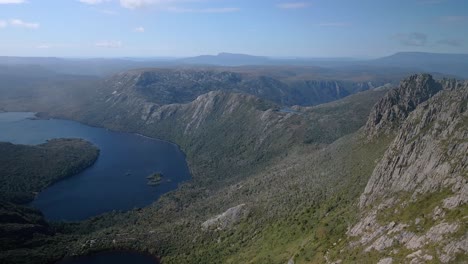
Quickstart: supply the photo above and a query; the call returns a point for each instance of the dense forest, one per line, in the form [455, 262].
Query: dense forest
[25, 170]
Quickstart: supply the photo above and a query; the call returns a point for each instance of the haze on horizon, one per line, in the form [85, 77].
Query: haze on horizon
[276, 28]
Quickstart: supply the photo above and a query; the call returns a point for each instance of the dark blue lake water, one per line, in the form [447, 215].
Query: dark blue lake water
[112, 258]
[117, 181]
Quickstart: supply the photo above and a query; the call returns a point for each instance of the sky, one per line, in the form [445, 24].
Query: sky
[275, 28]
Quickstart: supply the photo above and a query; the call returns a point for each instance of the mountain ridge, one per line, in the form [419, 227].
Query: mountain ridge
[412, 206]
[412, 62]
[272, 186]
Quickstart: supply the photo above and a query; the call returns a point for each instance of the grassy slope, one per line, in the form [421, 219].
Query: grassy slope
[269, 179]
[171, 227]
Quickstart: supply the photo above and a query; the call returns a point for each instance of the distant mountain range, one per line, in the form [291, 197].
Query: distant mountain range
[227, 59]
[456, 64]
[450, 64]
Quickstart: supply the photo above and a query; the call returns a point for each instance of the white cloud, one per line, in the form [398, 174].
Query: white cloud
[92, 2]
[204, 10]
[133, 4]
[109, 44]
[293, 5]
[170, 5]
[12, 2]
[23, 24]
[3, 24]
[139, 29]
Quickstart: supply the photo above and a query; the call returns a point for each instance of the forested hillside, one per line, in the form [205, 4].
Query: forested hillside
[273, 185]
[24, 171]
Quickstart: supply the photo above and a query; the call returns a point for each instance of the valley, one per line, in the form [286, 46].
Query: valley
[272, 186]
[117, 179]
[233, 131]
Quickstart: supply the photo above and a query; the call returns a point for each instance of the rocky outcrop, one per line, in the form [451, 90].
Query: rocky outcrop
[430, 149]
[227, 219]
[410, 201]
[393, 108]
[169, 86]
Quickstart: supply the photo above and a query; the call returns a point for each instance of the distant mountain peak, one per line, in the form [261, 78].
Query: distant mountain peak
[227, 59]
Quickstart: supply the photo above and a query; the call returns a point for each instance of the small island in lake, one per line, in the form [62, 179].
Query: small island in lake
[155, 179]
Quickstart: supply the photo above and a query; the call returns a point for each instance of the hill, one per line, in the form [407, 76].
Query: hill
[24, 171]
[272, 185]
[300, 203]
[455, 64]
[403, 63]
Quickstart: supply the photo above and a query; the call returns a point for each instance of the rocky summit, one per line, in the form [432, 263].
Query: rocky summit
[412, 206]
[394, 107]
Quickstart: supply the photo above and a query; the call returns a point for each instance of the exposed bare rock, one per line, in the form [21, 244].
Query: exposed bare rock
[183, 85]
[453, 248]
[427, 157]
[393, 109]
[227, 219]
[385, 261]
[419, 257]
[434, 235]
[380, 244]
[429, 152]
[460, 198]
[437, 213]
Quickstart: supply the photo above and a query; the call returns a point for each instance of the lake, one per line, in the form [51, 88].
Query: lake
[117, 181]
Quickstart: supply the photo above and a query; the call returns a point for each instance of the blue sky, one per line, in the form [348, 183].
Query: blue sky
[281, 28]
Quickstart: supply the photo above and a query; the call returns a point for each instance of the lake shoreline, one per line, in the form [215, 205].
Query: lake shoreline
[149, 155]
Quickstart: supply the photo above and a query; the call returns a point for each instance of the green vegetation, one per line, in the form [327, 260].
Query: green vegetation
[406, 212]
[154, 179]
[331, 121]
[299, 176]
[26, 170]
[233, 164]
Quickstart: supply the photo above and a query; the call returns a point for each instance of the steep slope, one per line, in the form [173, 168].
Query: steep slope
[24, 171]
[272, 185]
[414, 207]
[243, 129]
[392, 110]
[241, 150]
[166, 86]
[253, 205]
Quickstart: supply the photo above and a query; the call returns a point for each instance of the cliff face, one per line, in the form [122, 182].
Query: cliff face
[214, 124]
[414, 207]
[167, 86]
[393, 109]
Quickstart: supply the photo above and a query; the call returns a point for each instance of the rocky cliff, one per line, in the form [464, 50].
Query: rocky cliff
[393, 108]
[414, 207]
[167, 86]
